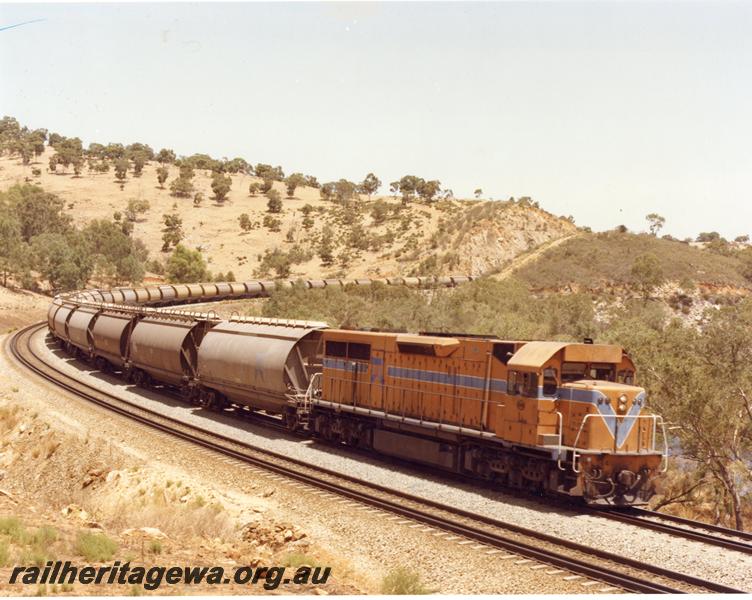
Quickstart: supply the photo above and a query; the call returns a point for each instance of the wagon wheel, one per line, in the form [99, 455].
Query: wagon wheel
[208, 398]
[140, 378]
[186, 392]
[291, 420]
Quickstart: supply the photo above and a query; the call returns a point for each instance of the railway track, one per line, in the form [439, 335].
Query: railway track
[519, 543]
[714, 535]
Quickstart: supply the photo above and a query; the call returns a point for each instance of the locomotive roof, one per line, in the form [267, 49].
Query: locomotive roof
[535, 354]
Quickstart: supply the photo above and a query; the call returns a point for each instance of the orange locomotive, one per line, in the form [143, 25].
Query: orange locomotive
[555, 417]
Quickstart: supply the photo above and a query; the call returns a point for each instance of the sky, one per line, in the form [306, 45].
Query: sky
[605, 111]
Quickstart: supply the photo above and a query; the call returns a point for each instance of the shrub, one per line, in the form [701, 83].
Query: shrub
[4, 554]
[298, 559]
[13, 528]
[221, 185]
[402, 581]
[185, 266]
[43, 536]
[277, 260]
[380, 212]
[35, 555]
[162, 175]
[274, 205]
[136, 206]
[182, 187]
[95, 547]
[272, 223]
[245, 222]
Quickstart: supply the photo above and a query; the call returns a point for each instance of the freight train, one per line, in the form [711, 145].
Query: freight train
[557, 418]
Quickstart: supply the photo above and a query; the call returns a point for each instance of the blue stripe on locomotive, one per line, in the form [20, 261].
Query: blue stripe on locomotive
[593, 397]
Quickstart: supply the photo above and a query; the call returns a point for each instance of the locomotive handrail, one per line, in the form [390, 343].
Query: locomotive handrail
[654, 418]
[560, 427]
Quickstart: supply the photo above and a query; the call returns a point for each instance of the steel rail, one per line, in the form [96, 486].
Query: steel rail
[643, 518]
[218, 443]
[744, 535]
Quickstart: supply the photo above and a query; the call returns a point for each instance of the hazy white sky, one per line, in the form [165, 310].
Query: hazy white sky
[606, 111]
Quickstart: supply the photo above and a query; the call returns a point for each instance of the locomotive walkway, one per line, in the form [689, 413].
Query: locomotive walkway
[500, 540]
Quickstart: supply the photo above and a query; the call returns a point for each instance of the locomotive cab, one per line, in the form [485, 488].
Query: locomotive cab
[593, 418]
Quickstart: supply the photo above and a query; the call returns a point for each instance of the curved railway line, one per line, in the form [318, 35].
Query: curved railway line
[519, 543]
[707, 533]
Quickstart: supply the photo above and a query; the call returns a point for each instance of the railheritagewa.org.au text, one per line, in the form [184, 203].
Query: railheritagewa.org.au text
[152, 578]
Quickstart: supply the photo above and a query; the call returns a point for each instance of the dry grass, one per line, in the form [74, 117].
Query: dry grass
[34, 546]
[9, 417]
[298, 559]
[4, 553]
[14, 529]
[95, 547]
[182, 521]
[401, 581]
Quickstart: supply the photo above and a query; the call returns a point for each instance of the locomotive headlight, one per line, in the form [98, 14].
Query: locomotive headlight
[622, 403]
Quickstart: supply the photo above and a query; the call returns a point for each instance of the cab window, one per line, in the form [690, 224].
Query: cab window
[626, 377]
[573, 371]
[604, 372]
[522, 383]
[550, 385]
[512, 383]
[531, 384]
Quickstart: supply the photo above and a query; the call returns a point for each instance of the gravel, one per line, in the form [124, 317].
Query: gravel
[694, 558]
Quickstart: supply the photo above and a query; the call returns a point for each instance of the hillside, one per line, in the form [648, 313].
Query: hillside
[377, 237]
[598, 261]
